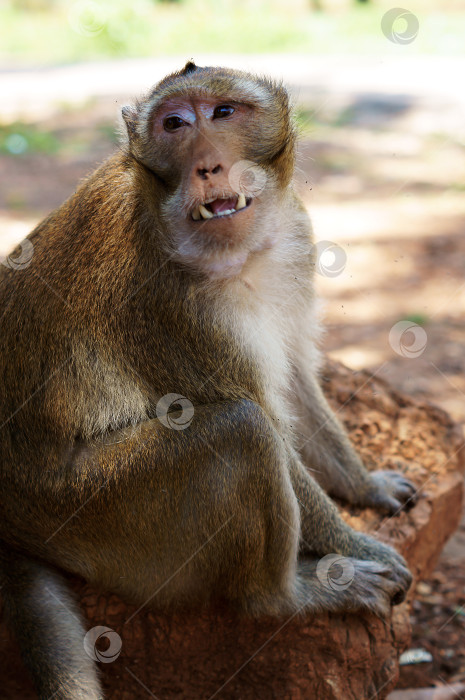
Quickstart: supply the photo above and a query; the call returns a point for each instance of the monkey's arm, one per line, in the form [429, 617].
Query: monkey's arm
[322, 441]
[327, 451]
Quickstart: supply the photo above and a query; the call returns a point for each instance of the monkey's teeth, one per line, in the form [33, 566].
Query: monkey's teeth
[201, 212]
[205, 213]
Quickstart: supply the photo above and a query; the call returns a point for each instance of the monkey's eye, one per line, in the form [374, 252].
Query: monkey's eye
[173, 123]
[222, 111]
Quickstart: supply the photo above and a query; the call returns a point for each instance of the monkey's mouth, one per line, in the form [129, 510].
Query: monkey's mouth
[223, 206]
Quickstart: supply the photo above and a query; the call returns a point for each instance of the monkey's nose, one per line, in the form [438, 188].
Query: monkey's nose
[204, 173]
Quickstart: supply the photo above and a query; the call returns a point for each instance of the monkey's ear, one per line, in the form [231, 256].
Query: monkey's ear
[190, 67]
[130, 118]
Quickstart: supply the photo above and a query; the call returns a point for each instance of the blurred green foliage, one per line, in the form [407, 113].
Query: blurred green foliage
[306, 121]
[110, 132]
[418, 318]
[18, 138]
[50, 31]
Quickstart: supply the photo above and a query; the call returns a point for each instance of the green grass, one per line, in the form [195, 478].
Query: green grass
[52, 31]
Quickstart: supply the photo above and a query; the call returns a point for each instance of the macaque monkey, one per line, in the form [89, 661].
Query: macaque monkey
[183, 265]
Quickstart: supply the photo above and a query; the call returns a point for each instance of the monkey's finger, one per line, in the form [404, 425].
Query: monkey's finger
[407, 486]
[404, 487]
[383, 500]
[390, 504]
[407, 496]
[402, 480]
[406, 492]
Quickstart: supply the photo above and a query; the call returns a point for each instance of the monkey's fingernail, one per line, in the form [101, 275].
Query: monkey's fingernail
[196, 214]
[240, 202]
[205, 213]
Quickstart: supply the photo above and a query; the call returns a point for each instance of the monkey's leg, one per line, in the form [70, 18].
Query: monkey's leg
[49, 628]
[327, 451]
[216, 510]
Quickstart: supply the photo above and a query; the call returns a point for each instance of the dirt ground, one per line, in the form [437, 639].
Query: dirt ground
[399, 216]
[383, 177]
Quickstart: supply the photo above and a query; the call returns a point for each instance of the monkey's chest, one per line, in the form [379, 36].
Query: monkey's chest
[264, 337]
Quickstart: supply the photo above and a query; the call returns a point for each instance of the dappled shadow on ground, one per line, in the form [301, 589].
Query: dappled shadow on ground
[384, 183]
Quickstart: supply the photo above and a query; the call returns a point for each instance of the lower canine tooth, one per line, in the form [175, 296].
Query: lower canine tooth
[205, 213]
[240, 202]
[196, 214]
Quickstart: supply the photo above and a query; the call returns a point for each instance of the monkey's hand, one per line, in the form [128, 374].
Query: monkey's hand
[389, 491]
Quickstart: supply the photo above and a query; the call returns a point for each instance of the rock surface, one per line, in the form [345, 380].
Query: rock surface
[215, 653]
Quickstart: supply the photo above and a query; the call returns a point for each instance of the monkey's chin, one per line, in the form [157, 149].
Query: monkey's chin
[227, 267]
[208, 258]
[227, 264]
[220, 247]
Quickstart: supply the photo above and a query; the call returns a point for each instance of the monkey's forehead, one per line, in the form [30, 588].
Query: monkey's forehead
[222, 83]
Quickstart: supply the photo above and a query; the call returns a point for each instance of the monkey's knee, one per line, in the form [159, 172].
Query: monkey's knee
[248, 422]
[259, 453]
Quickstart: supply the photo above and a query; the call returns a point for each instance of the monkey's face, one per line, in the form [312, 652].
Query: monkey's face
[216, 143]
[213, 207]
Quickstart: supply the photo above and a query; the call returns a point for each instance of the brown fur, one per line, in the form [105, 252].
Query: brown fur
[127, 299]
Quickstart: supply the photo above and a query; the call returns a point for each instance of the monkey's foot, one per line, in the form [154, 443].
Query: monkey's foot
[390, 491]
[373, 587]
[372, 550]
[341, 584]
